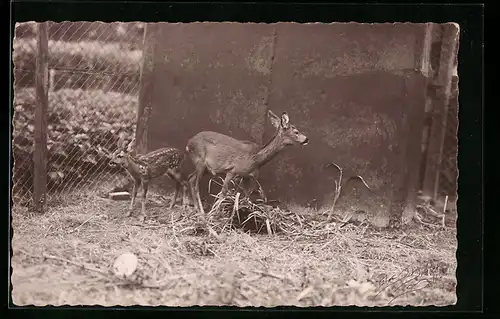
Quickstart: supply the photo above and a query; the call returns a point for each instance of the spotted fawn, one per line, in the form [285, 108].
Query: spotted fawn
[145, 167]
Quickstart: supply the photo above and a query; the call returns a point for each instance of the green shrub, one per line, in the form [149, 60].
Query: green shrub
[115, 63]
[84, 130]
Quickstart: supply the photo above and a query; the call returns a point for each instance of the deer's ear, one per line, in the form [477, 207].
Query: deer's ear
[275, 120]
[284, 120]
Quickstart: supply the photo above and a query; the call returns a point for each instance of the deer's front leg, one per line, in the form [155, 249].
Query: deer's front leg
[185, 199]
[194, 183]
[229, 177]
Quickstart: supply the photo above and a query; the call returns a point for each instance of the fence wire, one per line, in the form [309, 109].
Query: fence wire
[94, 77]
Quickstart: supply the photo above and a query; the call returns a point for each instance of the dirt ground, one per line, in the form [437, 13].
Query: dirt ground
[65, 257]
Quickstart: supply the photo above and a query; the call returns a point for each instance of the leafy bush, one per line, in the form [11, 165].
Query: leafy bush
[114, 63]
[85, 129]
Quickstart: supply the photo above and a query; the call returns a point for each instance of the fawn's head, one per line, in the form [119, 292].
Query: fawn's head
[121, 154]
[288, 132]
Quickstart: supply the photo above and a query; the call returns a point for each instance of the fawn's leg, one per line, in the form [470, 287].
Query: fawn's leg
[137, 183]
[145, 185]
[174, 199]
[177, 188]
[176, 177]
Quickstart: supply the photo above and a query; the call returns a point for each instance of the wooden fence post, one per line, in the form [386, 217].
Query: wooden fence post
[146, 87]
[42, 101]
[440, 109]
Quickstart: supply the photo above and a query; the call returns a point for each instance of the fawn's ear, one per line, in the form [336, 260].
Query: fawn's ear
[275, 120]
[130, 146]
[284, 120]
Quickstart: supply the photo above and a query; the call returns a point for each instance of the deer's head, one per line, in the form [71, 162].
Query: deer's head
[288, 132]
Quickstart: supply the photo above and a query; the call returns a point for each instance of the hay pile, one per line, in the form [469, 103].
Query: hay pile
[237, 211]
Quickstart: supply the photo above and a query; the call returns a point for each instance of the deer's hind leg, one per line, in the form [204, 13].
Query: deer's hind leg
[176, 177]
[145, 186]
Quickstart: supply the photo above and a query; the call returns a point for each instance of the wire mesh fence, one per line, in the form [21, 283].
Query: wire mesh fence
[93, 89]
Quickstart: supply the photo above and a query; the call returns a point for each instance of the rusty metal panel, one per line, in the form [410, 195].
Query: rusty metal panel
[344, 85]
[210, 76]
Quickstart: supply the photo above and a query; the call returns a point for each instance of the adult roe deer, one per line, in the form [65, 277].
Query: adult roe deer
[219, 153]
[142, 168]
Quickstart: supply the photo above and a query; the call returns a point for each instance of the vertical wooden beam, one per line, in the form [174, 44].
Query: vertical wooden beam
[402, 208]
[423, 58]
[42, 101]
[266, 131]
[437, 132]
[426, 69]
[146, 87]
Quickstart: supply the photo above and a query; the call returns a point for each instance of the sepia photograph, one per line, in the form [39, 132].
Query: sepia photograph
[234, 164]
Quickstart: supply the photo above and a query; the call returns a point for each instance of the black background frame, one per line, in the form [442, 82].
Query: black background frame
[471, 288]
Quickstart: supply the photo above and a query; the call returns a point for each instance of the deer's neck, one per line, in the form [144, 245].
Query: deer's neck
[269, 151]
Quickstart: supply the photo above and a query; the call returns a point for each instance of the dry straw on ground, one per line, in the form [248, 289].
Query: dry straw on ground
[66, 257]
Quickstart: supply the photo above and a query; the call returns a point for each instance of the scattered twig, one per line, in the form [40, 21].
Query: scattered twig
[445, 204]
[328, 243]
[166, 282]
[162, 262]
[269, 231]
[289, 245]
[148, 227]
[304, 293]
[235, 207]
[268, 274]
[102, 272]
[173, 231]
[419, 219]
[79, 226]
[47, 232]
[339, 185]
[213, 232]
